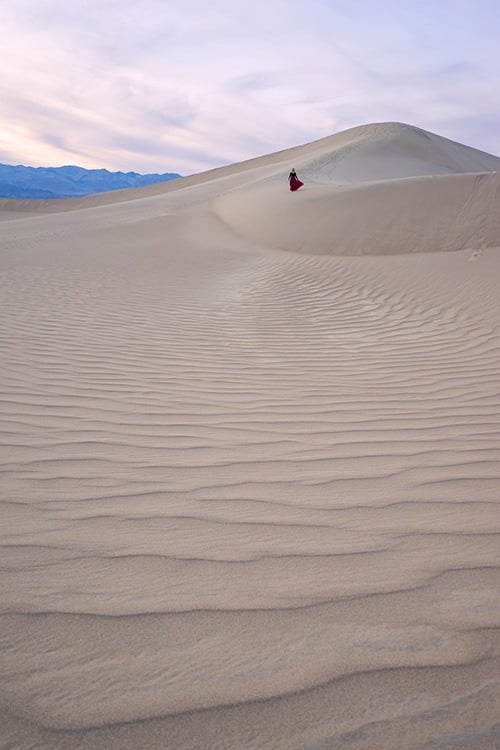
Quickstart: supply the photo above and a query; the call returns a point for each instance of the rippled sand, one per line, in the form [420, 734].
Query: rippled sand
[250, 448]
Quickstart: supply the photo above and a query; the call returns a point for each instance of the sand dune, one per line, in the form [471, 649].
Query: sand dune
[250, 456]
[367, 193]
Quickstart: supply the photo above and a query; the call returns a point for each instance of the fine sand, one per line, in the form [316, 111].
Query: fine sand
[251, 456]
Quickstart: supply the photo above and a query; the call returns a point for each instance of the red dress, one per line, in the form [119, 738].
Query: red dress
[295, 183]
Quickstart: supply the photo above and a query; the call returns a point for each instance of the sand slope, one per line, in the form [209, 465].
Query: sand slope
[250, 456]
[380, 189]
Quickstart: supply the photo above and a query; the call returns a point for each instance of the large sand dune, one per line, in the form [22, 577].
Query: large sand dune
[250, 448]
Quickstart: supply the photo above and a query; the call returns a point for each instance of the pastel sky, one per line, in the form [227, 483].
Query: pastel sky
[186, 85]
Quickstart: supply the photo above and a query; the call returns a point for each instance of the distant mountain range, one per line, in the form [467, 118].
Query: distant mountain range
[69, 182]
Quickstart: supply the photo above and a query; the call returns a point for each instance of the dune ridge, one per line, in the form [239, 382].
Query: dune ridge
[250, 456]
[367, 193]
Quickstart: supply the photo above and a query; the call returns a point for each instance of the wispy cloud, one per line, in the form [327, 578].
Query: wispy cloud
[157, 86]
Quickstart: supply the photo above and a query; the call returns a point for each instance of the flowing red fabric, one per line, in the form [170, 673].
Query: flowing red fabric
[295, 183]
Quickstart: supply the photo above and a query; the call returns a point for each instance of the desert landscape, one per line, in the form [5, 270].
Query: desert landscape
[250, 456]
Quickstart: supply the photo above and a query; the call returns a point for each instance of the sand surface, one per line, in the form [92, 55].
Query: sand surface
[250, 456]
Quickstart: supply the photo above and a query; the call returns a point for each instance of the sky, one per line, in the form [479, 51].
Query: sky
[187, 85]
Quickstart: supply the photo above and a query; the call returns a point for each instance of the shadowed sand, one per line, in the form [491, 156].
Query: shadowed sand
[250, 456]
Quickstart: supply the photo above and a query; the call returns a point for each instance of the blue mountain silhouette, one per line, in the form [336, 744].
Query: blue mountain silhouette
[69, 182]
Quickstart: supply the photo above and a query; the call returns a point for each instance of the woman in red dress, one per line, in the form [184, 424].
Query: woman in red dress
[294, 181]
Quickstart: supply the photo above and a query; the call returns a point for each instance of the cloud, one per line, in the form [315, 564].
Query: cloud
[255, 82]
[156, 86]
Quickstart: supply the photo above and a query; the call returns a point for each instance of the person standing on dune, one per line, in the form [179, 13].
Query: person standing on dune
[294, 181]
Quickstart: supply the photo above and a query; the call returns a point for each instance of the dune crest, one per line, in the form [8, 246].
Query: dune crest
[376, 190]
[384, 151]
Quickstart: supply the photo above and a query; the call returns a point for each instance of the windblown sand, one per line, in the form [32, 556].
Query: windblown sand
[250, 453]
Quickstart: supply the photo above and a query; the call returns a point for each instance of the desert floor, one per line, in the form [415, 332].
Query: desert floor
[250, 456]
